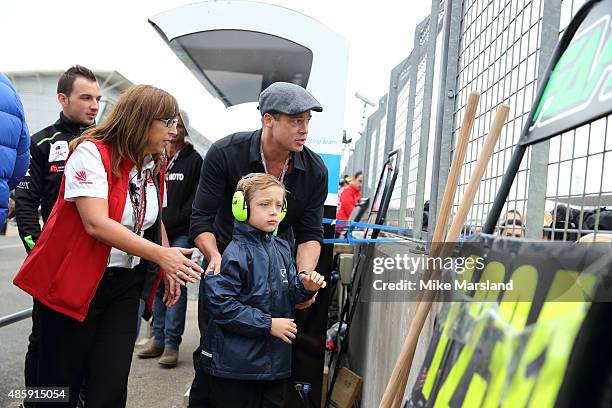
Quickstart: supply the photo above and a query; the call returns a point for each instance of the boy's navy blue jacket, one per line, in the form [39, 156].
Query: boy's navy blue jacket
[257, 282]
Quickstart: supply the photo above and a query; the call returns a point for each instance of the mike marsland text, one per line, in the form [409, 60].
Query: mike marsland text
[437, 285]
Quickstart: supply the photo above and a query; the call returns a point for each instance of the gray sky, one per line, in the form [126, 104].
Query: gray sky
[115, 35]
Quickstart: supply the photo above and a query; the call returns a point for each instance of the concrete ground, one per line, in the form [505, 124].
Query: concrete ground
[153, 386]
[150, 386]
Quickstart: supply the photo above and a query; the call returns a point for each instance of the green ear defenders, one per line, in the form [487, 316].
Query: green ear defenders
[240, 207]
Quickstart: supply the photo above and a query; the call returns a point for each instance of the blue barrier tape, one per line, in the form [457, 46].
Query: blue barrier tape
[350, 224]
[360, 240]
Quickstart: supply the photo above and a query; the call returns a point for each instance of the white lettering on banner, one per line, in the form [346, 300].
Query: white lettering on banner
[175, 176]
[438, 285]
[434, 285]
[487, 285]
[400, 285]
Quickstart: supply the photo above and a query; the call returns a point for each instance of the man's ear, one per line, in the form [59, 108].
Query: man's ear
[266, 120]
[62, 99]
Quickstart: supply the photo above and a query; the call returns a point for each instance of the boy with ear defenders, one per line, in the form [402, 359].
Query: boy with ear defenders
[246, 353]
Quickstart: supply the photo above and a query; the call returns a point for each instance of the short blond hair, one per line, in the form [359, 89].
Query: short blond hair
[253, 182]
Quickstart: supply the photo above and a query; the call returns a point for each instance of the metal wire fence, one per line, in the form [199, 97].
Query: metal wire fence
[499, 48]
[579, 184]
[498, 56]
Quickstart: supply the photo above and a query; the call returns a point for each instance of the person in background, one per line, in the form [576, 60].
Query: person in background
[512, 226]
[341, 185]
[79, 96]
[425, 222]
[100, 251]
[349, 197]
[14, 144]
[78, 93]
[344, 183]
[182, 175]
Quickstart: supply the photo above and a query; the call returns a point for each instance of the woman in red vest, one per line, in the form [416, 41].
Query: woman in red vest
[100, 251]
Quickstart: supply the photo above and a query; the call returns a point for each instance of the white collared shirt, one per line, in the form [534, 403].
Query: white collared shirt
[86, 177]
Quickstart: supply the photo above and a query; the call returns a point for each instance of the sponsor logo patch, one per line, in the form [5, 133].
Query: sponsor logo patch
[56, 168]
[283, 273]
[58, 151]
[81, 177]
[175, 177]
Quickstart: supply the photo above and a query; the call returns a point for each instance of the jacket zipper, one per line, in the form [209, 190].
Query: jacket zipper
[269, 338]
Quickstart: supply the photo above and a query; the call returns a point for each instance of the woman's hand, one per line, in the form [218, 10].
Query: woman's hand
[284, 329]
[177, 266]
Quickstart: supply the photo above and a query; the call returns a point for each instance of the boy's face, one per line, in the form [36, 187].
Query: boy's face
[265, 208]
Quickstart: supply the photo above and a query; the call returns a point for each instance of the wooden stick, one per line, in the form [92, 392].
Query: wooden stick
[481, 165]
[453, 175]
[398, 386]
[455, 169]
[438, 236]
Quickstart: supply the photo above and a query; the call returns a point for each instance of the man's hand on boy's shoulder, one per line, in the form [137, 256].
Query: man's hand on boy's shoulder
[214, 264]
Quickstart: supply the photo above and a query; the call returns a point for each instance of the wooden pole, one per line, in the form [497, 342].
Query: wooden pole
[397, 384]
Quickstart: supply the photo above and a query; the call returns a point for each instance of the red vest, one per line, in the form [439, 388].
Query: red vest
[348, 199]
[66, 264]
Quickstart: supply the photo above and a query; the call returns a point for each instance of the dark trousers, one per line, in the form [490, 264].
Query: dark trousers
[198, 385]
[31, 358]
[219, 392]
[99, 349]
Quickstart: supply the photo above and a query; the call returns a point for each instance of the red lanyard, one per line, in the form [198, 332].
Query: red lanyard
[139, 207]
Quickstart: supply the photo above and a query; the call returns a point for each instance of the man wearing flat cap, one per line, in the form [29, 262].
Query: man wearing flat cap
[278, 148]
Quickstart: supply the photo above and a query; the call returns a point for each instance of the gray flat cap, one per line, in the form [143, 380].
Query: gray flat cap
[288, 98]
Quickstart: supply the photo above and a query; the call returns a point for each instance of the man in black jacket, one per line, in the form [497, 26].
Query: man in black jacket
[78, 93]
[182, 175]
[277, 149]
